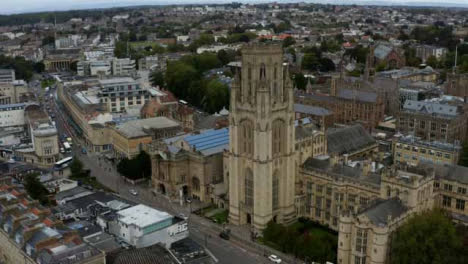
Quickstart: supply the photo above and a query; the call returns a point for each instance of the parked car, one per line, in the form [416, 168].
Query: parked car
[183, 216]
[133, 192]
[274, 259]
[225, 234]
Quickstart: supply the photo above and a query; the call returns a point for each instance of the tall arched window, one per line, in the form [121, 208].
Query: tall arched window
[246, 139]
[195, 184]
[275, 190]
[262, 71]
[275, 72]
[248, 187]
[278, 136]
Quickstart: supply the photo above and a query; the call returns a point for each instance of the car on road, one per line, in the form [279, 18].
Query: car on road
[225, 234]
[183, 216]
[274, 259]
[133, 192]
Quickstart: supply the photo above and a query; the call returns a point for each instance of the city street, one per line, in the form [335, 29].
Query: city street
[201, 229]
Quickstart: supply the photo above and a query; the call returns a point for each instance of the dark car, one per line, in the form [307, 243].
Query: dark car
[225, 234]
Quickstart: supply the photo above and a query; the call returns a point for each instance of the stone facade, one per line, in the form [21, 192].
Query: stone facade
[440, 121]
[348, 105]
[364, 235]
[261, 152]
[457, 84]
[97, 135]
[412, 150]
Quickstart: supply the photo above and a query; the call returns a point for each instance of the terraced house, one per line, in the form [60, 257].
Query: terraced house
[31, 234]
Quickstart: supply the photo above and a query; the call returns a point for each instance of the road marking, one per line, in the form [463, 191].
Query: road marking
[211, 255]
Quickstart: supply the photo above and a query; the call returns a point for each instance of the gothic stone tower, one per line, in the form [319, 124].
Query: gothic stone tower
[261, 152]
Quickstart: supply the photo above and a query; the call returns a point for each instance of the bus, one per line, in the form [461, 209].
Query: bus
[63, 163]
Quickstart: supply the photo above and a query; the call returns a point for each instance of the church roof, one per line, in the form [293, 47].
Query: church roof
[342, 171]
[352, 94]
[311, 110]
[451, 172]
[431, 108]
[381, 211]
[348, 139]
[382, 51]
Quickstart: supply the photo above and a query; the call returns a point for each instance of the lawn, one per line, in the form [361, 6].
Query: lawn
[221, 217]
[47, 83]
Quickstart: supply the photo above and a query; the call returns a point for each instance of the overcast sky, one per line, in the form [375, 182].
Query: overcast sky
[20, 6]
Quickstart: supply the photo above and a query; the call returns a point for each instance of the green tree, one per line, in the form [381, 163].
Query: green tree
[381, 66]
[303, 239]
[216, 96]
[136, 168]
[226, 56]
[178, 77]
[120, 50]
[330, 46]
[48, 40]
[310, 62]
[432, 61]
[359, 53]
[288, 41]
[326, 65]
[157, 78]
[300, 82]
[427, 238]
[76, 169]
[281, 27]
[36, 189]
[463, 161]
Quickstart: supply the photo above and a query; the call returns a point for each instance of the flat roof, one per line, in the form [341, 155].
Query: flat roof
[134, 128]
[117, 80]
[142, 216]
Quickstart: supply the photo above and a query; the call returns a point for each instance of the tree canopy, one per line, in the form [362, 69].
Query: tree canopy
[136, 168]
[216, 96]
[304, 239]
[300, 82]
[428, 238]
[35, 189]
[23, 69]
[157, 78]
[186, 80]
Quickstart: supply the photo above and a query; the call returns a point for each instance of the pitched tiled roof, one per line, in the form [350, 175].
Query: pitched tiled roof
[357, 95]
[380, 212]
[431, 108]
[312, 110]
[348, 139]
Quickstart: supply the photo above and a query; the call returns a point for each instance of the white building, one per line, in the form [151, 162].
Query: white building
[7, 75]
[217, 48]
[71, 41]
[120, 94]
[143, 226]
[12, 115]
[94, 68]
[122, 67]
[147, 63]
[106, 66]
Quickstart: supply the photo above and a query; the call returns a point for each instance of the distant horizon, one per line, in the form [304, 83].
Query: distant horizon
[36, 6]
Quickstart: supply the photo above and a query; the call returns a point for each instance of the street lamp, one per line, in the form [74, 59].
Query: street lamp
[189, 201]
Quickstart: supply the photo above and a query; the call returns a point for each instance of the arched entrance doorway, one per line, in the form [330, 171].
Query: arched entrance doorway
[185, 191]
[162, 189]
